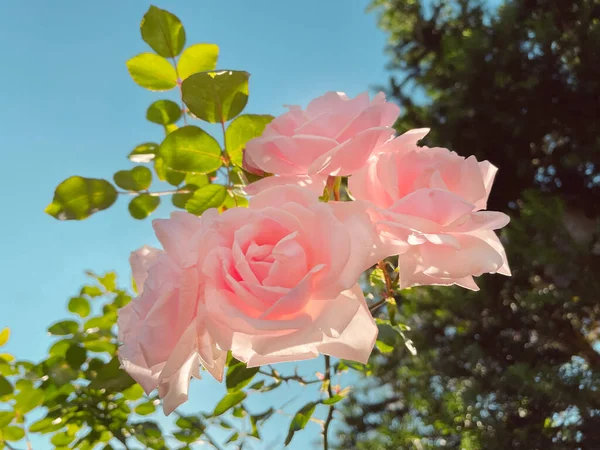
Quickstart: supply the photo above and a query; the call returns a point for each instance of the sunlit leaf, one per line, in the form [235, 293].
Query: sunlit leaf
[163, 32]
[163, 112]
[191, 149]
[90, 291]
[143, 205]
[43, 425]
[26, 400]
[6, 417]
[152, 72]
[197, 58]
[229, 401]
[206, 197]
[143, 409]
[4, 336]
[77, 198]
[241, 130]
[13, 433]
[134, 392]
[238, 376]
[137, 179]
[62, 439]
[216, 97]
[165, 174]
[63, 328]
[80, 306]
[300, 420]
[144, 153]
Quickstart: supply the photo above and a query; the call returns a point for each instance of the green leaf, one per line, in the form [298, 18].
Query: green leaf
[108, 280]
[216, 97]
[59, 348]
[197, 58]
[13, 433]
[63, 328]
[102, 322]
[229, 401]
[78, 198]
[5, 387]
[6, 417]
[241, 130]
[137, 179]
[191, 149]
[163, 32]
[239, 376]
[258, 385]
[234, 201]
[134, 392]
[179, 200]
[143, 205]
[376, 277]
[62, 439]
[387, 338]
[333, 400]
[42, 425]
[188, 435]
[163, 112]
[152, 72]
[90, 291]
[26, 400]
[112, 378]
[4, 336]
[165, 174]
[300, 420]
[144, 153]
[76, 356]
[206, 197]
[80, 305]
[143, 409]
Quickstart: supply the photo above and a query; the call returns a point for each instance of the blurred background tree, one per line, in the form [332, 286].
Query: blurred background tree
[514, 366]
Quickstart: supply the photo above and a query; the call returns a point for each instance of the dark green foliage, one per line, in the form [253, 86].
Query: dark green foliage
[512, 366]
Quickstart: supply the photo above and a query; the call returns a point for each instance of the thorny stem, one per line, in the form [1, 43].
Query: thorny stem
[331, 407]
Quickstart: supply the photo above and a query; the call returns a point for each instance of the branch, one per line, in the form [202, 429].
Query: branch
[297, 378]
[332, 407]
[156, 194]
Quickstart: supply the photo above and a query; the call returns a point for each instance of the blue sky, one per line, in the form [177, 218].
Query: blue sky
[69, 107]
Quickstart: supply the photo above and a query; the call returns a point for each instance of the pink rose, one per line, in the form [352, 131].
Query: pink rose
[429, 211]
[280, 278]
[334, 136]
[162, 330]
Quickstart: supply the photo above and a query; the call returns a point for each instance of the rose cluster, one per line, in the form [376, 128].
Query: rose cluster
[278, 281]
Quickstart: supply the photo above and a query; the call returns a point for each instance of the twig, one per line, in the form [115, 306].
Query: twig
[179, 82]
[331, 407]
[275, 375]
[156, 194]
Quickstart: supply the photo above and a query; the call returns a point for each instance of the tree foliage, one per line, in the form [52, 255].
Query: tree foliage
[515, 365]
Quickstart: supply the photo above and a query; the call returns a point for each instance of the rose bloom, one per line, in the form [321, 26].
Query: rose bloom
[162, 330]
[334, 136]
[273, 282]
[429, 206]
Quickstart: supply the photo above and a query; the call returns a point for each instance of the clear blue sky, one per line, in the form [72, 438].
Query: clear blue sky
[69, 107]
